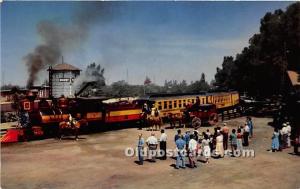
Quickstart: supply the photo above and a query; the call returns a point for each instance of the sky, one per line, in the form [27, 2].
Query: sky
[131, 40]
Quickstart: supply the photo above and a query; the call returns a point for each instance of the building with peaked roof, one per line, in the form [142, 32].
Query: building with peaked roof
[294, 77]
[293, 100]
[61, 78]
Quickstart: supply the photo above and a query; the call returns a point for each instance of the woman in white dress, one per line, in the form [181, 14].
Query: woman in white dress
[219, 145]
[206, 147]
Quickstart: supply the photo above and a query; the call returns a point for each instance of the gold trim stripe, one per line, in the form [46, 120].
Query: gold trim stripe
[125, 112]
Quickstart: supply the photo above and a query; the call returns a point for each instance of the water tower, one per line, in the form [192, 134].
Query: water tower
[61, 78]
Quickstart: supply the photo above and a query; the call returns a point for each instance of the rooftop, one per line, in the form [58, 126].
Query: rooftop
[65, 67]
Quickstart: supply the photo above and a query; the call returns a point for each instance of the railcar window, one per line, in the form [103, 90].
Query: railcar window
[179, 103]
[184, 103]
[170, 104]
[175, 103]
[159, 106]
[165, 105]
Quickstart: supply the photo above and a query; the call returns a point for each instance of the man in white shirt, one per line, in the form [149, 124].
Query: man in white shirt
[152, 144]
[246, 134]
[192, 151]
[284, 134]
[163, 144]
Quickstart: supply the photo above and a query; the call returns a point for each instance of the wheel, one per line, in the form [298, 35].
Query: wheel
[213, 119]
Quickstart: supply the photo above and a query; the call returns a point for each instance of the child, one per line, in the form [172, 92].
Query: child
[233, 141]
[206, 147]
[275, 140]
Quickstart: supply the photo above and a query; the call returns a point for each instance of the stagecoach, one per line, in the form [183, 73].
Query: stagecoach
[206, 112]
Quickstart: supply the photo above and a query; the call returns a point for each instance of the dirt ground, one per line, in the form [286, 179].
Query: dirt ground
[98, 161]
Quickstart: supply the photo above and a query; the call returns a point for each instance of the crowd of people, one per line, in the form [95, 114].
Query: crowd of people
[192, 144]
[281, 138]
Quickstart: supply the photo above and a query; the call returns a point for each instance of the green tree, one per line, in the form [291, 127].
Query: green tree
[261, 67]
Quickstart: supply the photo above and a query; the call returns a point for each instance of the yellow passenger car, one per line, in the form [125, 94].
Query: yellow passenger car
[176, 103]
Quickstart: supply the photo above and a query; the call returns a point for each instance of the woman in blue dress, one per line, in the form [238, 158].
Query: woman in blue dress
[275, 140]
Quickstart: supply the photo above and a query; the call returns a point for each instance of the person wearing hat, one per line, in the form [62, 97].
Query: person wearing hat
[152, 143]
[145, 112]
[225, 131]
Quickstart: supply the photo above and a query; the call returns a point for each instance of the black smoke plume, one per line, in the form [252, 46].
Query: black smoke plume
[56, 38]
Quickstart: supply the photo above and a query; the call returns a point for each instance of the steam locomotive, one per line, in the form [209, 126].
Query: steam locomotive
[45, 112]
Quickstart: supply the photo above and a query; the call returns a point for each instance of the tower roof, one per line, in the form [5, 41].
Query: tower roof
[65, 67]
